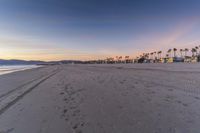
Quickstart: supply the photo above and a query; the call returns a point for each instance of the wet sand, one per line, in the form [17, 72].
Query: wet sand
[128, 98]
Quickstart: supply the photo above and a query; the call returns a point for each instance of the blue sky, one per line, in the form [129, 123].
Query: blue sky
[87, 29]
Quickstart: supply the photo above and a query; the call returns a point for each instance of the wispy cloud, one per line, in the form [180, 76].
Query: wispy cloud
[178, 32]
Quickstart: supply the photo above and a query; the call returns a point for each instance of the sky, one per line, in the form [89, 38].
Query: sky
[95, 29]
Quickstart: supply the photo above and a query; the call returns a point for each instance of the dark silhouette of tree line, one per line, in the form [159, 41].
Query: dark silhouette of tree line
[155, 57]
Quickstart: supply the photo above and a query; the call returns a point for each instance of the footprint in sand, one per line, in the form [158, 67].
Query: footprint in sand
[7, 131]
[121, 107]
[65, 111]
[65, 99]
[62, 93]
[179, 102]
[149, 99]
[185, 105]
[153, 92]
[170, 89]
[121, 82]
[77, 127]
[198, 98]
[133, 87]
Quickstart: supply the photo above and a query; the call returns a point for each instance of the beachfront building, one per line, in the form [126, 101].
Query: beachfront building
[178, 59]
[128, 60]
[110, 60]
[187, 59]
[151, 61]
[194, 59]
[163, 60]
[136, 60]
[169, 60]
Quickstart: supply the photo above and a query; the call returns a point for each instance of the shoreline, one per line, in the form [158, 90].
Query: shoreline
[5, 69]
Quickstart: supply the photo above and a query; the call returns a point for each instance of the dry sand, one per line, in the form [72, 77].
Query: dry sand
[129, 98]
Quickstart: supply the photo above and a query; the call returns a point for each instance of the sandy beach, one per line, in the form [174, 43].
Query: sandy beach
[118, 98]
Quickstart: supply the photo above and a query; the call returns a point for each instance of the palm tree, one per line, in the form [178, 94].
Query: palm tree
[159, 54]
[174, 49]
[117, 60]
[147, 55]
[126, 59]
[155, 55]
[197, 49]
[186, 50]
[151, 55]
[169, 52]
[181, 51]
[193, 51]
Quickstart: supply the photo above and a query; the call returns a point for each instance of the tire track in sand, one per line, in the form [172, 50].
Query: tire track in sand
[14, 96]
[21, 86]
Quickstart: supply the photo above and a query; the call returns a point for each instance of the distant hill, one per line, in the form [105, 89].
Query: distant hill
[33, 62]
[19, 62]
[71, 61]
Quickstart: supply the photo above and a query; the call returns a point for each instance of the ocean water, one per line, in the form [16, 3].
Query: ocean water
[5, 69]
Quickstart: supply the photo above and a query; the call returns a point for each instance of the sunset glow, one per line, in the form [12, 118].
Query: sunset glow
[52, 30]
